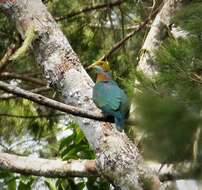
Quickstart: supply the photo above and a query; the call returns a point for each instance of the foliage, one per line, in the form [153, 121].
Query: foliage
[75, 145]
[168, 107]
[15, 182]
[190, 18]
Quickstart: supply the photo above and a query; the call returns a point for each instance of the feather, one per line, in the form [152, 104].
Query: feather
[112, 100]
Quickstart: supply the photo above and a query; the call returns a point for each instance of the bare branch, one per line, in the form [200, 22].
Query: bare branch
[42, 100]
[47, 168]
[7, 75]
[35, 90]
[30, 116]
[116, 27]
[5, 60]
[182, 170]
[128, 36]
[88, 9]
[74, 168]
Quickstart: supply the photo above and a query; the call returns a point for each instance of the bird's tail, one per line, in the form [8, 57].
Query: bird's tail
[119, 121]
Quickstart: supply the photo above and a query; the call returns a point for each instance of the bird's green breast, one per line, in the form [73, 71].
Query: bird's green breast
[108, 96]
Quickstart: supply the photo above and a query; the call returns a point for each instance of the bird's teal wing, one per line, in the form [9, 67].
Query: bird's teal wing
[107, 95]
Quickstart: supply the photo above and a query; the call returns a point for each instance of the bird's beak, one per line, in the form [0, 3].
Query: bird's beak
[91, 66]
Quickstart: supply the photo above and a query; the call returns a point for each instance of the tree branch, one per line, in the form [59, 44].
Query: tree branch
[88, 9]
[30, 116]
[128, 36]
[5, 60]
[35, 90]
[116, 27]
[42, 100]
[73, 168]
[178, 171]
[47, 168]
[7, 75]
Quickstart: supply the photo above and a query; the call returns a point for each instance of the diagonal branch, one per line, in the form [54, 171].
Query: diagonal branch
[42, 100]
[128, 36]
[5, 60]
[90, 8]
[47, 168]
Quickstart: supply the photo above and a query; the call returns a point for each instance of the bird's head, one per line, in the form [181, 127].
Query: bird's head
[102, 69]
[100, 66]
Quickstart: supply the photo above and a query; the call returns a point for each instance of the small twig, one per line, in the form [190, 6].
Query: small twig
[5, 60]
[111, 21]
[116, 27]
[3, 34]
[196, 142]
[88, 9]
[7, 75]
[35, 90]
[128, 36]
[122, 26]
[4, 147]
[12, 146]
[30, 116]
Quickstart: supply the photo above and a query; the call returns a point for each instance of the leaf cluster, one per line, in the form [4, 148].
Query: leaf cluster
[169, 106]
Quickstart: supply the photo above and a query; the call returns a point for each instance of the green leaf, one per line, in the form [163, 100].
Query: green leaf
[50, 184]
[12, 185]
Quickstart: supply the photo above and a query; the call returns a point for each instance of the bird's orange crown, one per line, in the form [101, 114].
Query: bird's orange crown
[102, 70]
[103, 64]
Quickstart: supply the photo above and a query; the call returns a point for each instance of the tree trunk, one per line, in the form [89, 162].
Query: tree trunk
[154, 37]
[117, 158]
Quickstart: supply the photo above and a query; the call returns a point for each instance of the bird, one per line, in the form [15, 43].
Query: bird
[108, 96]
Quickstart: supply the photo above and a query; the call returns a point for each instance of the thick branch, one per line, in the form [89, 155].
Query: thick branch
[75, 168]
[42, 100]
[47, 168]
[89, 9]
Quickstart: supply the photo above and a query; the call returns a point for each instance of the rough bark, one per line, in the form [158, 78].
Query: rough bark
[47, 168]
[117, 158]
